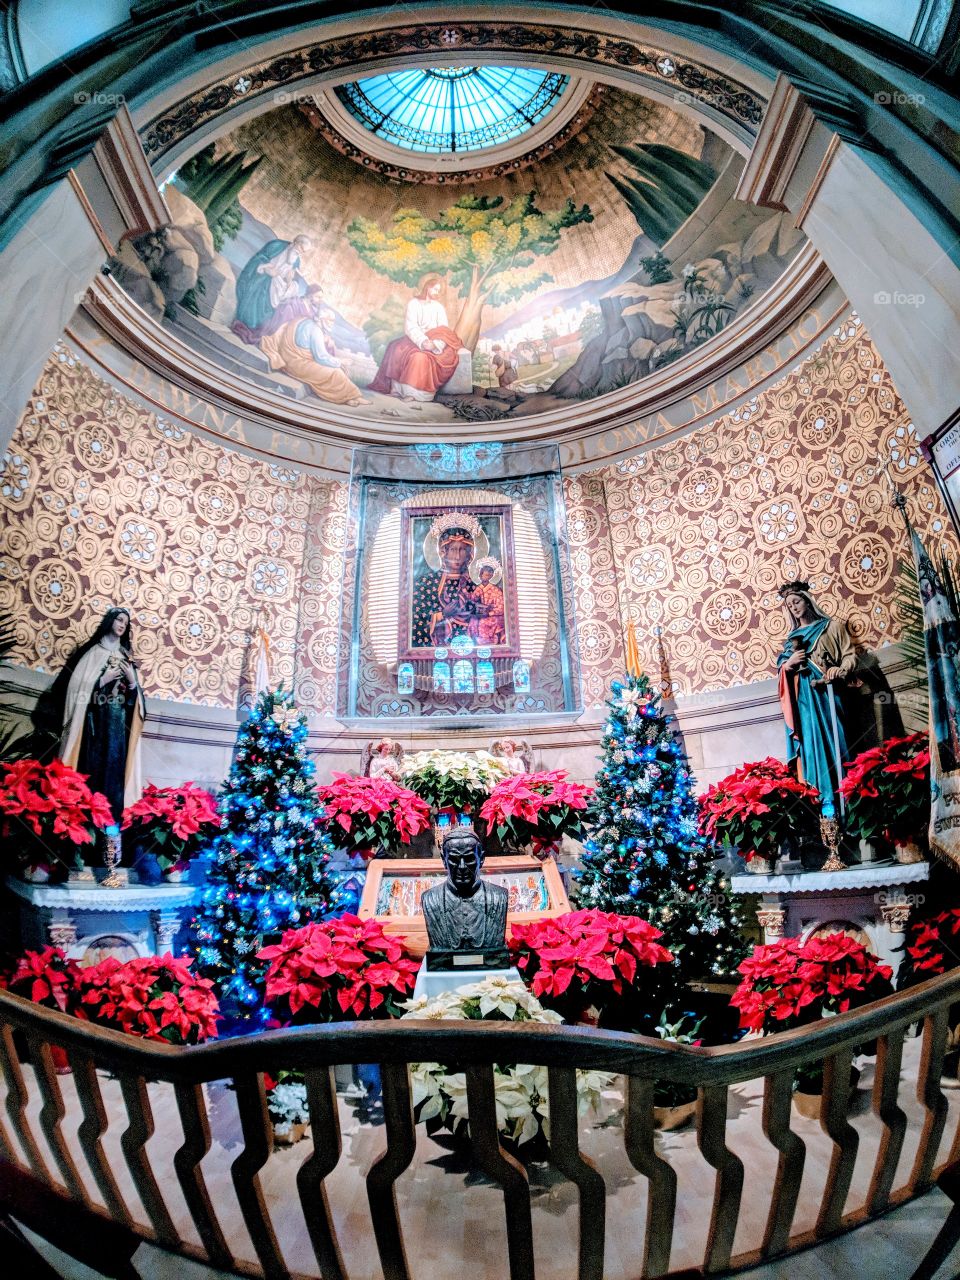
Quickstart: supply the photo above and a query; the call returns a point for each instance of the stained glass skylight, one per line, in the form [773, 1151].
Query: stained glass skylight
[453, 109]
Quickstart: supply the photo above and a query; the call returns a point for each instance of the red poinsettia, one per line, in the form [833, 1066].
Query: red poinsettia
[154, 997]
[887, 790]
[789, 983]
[364, 814]
[46, 977]
[590, 956]
[172, 822]
[52, 803]
[757, 807]
[934, 944]
[536, 808]
[338, 970]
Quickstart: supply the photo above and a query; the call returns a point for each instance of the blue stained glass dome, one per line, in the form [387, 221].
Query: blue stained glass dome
[453, 109]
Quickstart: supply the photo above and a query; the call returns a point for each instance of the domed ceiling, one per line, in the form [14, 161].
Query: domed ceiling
[603, 243]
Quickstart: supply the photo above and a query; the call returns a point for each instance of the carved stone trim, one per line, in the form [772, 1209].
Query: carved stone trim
[773, 921]
[448, 42]
[895, 916]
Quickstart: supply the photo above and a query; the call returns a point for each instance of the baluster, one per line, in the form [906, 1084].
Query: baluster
[502, 1168]
[196, 1133]
[565, 1151]
[17, 1099]
[728, 1188]
[777, 1099]
[90, 1132]
[387, 1168]
[51, 1118]
[931, 1097]
[325, 1132]
[245, 1170]
[886, 1093]
[638, 1141]
[8, 1149]
[133, 1143]
[834, 1106]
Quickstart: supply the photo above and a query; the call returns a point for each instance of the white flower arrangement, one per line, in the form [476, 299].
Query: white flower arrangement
[287, 1104]
[453, 778]
[521, 1094]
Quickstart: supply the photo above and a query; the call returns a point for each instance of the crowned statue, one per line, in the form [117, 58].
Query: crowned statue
[97, 709]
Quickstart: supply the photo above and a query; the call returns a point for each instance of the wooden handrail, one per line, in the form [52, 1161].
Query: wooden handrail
[471, 1042]
[66, 1136]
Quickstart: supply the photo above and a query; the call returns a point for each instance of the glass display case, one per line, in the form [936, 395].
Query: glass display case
[457, 599]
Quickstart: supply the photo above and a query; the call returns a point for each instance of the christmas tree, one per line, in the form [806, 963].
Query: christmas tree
[644, 855]
[268, 865]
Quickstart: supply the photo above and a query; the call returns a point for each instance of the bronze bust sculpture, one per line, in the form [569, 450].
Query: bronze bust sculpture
[465, 913]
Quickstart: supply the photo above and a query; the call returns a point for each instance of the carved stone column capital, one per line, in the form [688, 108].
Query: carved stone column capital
[773, 921]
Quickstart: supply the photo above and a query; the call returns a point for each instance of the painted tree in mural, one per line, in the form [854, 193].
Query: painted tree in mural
[488, 248]
[270, 858]
[644, 856]
[663, 187]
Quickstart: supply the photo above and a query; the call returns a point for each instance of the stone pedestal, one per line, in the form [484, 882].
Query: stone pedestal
[460, 381]
[874, 901]
[90, 922]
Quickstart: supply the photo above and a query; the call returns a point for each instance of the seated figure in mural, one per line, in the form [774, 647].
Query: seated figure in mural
[444, 599]
[96, 705]
[303, 349]
[817, 659]
[489, 626]
[271, 280]
[417, 365]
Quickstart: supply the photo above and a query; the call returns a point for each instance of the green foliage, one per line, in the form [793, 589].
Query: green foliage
[644, 855]
[383, 325]
[215, 185]
[658, 268]
[479, 241]
[663, 188]
[190, 300]
[227, 226]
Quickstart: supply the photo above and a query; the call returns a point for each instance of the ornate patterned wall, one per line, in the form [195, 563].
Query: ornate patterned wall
[101, 502]
[104, 503]
[792, 484]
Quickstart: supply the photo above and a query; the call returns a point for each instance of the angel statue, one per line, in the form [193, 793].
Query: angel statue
[516, 756]
[382, 759]
[97, 707]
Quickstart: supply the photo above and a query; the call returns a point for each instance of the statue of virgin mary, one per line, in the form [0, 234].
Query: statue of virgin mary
[96, 706]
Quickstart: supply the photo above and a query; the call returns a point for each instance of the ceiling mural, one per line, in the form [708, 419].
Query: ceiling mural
[291, 264]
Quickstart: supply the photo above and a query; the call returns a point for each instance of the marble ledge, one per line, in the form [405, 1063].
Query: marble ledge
[872, 876]
[93, 897]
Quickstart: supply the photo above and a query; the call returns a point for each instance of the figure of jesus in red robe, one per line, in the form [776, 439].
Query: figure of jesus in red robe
[417, 365]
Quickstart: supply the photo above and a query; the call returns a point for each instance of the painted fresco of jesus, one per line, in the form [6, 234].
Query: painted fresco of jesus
[417, 365]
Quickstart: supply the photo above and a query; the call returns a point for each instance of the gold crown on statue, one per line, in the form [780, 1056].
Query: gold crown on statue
[791, 588]
[456, 520]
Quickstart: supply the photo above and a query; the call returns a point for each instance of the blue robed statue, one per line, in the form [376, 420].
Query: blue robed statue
[817, 659]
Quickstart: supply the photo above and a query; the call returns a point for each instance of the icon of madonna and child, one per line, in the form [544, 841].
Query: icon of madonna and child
[455, 586]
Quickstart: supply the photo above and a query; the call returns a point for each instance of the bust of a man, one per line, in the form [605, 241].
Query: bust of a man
[465, 912]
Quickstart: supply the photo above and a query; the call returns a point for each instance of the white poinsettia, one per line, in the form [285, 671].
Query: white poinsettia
[521, 1091]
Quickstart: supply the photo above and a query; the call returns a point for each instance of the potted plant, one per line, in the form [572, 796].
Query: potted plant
[364, 815]
[887, 790]
[48, 813]
[50, 979]
[675, 1104]
[154, 997]
[595, 966]
[337, 970]
[455, 780]
[287, 1105]
[758, 809]
[168, 826]
[791, 983]
[536, 810]
[523, 1111]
